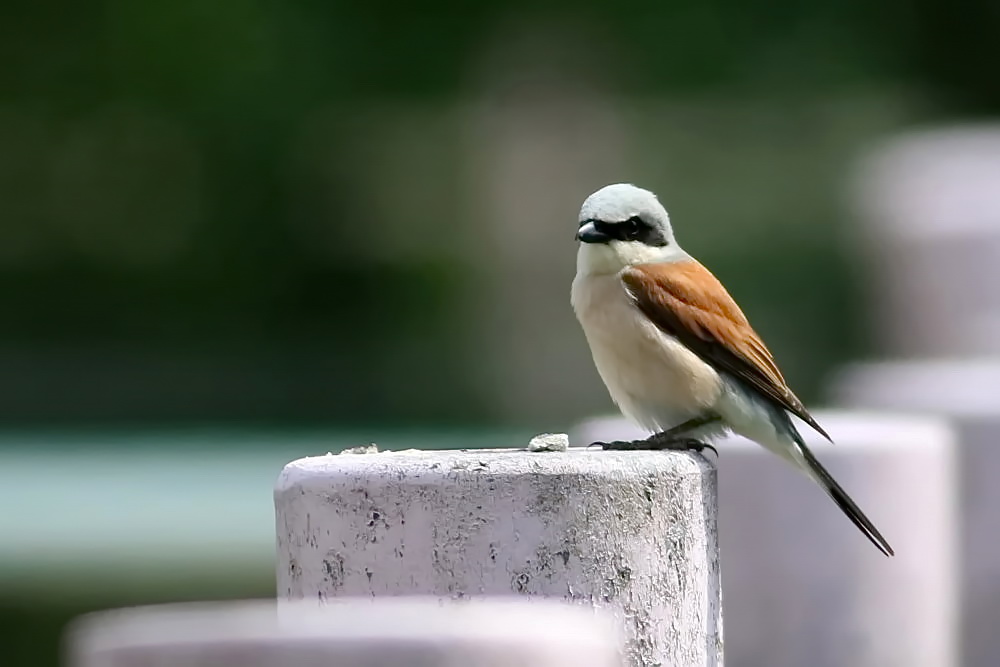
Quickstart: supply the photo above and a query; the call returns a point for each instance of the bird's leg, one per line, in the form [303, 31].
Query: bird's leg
[682, 445]
[677, 432]
[673, 438]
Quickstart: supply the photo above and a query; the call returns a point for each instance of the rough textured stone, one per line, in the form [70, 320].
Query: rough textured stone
[549, 442]
[347, 633]
[631, 532]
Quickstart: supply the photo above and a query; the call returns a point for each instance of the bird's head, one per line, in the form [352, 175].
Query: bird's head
[622, 225]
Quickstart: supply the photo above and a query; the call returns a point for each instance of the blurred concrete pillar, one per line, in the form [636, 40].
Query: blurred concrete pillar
[633, 533]
[929, 206]
[801, 585]
[348, 633]
[541, 133]
[968, 393]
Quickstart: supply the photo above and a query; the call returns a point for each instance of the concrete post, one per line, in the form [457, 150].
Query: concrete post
[802, 586]
[348, 633]
[631, 532]
[526, 173]
[968, 393]
[928, 207]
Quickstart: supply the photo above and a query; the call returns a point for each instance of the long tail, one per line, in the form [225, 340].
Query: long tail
[816, 470]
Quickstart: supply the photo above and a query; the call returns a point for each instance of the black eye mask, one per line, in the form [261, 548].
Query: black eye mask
[633, 229]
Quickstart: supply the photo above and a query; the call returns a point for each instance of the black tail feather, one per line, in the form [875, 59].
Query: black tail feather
[844, 502]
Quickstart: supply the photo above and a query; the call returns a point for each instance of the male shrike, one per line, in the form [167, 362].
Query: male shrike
[676, 353]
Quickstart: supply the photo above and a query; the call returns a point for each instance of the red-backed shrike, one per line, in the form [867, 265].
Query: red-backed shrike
[676, 353]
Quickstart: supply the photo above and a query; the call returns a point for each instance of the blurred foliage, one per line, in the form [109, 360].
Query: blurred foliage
[158, 179]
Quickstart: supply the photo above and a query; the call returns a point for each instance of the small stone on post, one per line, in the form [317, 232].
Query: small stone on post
[630, 532]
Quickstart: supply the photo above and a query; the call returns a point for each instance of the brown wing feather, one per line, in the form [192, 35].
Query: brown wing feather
[686, 301]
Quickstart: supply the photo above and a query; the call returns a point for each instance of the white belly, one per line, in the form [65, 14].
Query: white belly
[654, 380]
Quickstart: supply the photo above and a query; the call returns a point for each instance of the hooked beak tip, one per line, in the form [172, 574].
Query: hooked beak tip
[588, 233]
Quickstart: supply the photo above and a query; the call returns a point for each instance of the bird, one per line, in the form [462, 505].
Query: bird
[676, 353]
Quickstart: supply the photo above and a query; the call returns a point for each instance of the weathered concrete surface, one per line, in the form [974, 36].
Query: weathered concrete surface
[385, 632]
[967, 392]
[632, 532]
[802, 586]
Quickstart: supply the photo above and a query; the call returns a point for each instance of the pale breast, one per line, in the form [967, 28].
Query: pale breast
[652, 377]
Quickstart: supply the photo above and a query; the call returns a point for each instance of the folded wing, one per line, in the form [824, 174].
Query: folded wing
[686, 301]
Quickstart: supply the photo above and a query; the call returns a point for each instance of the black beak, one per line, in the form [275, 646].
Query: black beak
[588, 233]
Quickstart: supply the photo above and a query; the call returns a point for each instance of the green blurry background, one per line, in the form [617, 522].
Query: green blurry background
[236, 233]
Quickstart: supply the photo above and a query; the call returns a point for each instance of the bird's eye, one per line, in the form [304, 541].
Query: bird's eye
[633, 225]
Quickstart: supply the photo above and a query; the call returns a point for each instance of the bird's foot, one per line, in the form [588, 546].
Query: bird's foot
[684, 445]
[657, 443]
[620, 445]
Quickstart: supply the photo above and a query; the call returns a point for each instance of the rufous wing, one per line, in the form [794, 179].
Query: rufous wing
[686, 301]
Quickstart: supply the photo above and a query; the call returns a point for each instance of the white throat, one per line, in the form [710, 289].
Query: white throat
[594, 259]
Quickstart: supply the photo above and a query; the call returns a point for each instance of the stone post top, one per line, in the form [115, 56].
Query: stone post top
[496, 462]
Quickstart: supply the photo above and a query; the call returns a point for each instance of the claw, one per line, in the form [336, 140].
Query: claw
[703, 446]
